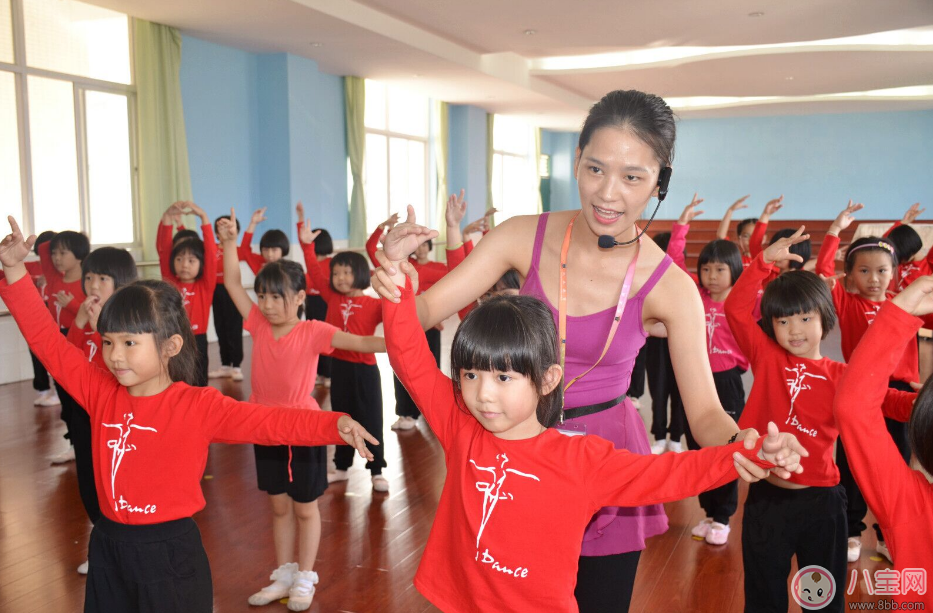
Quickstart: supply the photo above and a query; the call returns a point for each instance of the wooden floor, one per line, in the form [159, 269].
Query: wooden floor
[371, 545]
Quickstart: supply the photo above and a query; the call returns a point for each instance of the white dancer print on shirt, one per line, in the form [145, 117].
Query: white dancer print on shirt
[346, 309]
[120, 446]
[797, 385]
[492, 489]
[872, 313]
[93, 350]
[906, 272]
[712, 323]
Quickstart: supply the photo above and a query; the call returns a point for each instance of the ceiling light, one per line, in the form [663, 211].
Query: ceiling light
[757, 14]
[317, 44]
[788, 78]
[916, 92]
[530, 32]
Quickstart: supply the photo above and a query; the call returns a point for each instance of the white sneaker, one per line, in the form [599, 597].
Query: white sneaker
[883, 550]
[855, 549]
[236, 374]
[675, 446]
[82, 568]
[659, 447]
[337, 475]
[64, 457]
[302, 592]
[398, 424]
[223, 372]
[49, 399]
[380, 484]
[282, 579]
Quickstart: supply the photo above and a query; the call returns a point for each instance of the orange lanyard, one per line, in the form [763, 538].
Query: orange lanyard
[562, 307]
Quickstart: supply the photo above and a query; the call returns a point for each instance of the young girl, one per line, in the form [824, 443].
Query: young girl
[869, 268]
[191, 267]
[355, 382]
[294, 477]
[151, 432]
[315, 306]
[718, 268]
[511, 477]
[105, 270]
[901, 498]
[805, 514]
[273, 245]
[907, 244]
[227, 322]
[61, 259]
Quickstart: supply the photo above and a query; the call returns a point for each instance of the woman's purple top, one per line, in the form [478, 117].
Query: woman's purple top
[613, 530]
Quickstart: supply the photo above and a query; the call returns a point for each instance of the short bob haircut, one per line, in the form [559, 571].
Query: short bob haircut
[509, 333]
[75, 242]
[183, 234]
[722, 252]
[323, 244]
[194, 246]
[510, 280]
[153, 307]
[358, 266]
[274, 238]
[282, 278]
[743, 223]
[216, 221]
[803, 249]
[793, 293]
[117, 264]
[867, 244]
[920, 427]
[662, 240]
[907, 243]
[44, 237]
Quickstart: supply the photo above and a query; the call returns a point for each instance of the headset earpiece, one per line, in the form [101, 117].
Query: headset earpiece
[664, 179]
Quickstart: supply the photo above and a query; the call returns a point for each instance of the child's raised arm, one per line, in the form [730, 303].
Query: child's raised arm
[678, 242]
[758, 234]
[372, 243]
[232, 281]
[318, 280]
[723, 231]
[209, 274]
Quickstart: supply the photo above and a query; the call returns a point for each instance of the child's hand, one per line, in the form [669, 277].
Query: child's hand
[390, 223]
[403, 239]
[93, 307]
[195, 209]
[832, 280]
[356, 436]
[172, 215]
[739, 204]
[306, 235]
[917, 298]
[690, 211]
[783, 450]
[456, 209]
[41, 281]
[64, 298]
[771, 208]
[912, 213]
[259, 216]
[226, 228]
[845, 218]
[14, 248]
[779, 251]
[300, 211]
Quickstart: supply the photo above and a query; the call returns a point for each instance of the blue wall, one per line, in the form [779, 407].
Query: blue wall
[264, 130]
[466, 166]
[817, 161]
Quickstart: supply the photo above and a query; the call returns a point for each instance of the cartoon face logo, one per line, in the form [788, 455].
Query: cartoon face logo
[813, 587]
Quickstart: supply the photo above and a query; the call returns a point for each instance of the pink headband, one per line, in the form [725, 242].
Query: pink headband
[879, 244]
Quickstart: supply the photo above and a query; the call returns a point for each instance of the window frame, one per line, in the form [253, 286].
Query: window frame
[498, 199]
[80, 85]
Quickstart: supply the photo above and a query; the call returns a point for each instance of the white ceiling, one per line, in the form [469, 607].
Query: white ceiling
[476, 52]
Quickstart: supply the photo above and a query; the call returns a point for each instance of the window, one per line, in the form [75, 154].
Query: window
[514, 171]
[67, 113]
[396, 165]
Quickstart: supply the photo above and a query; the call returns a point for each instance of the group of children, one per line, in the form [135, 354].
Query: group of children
[134, 365]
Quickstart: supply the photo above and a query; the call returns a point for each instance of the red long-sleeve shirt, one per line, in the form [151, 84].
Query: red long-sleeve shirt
[908, 272]
[901, 498]
[54, 283]
[507, 533]
[89, 342]
[245, 252]
[358, 315]
[150, 451]
[758, 237]
[198, 295]
[795, 393]
[454, 257]
[856, 314]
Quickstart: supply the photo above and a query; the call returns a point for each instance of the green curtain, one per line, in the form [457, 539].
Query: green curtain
[536, 163]
[355, 95]
[490, 124]
[164, 176]
[441, 155]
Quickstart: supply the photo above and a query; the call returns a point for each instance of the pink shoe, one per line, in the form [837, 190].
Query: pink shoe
[718, 534]
[702, 528]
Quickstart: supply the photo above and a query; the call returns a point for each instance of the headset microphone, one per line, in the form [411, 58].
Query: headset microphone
[664, 178]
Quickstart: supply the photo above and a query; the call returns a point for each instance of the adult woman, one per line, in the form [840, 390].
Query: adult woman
[626, 142]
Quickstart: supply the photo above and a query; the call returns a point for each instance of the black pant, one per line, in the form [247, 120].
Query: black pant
[228, 324]
[663, 386]
[404, 405]
[721, 503]
[779, 523]
[316, 308]
[84, 462]
[858, 507]
[636, 387]
[67, 402]
[200, 341]
[155, 568]
[356, 389]
[604, 583]
[40, 376]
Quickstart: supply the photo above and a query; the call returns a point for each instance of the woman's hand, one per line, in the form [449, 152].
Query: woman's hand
[779, 250]
[845, 218]
[784, 451]
[912, 213]
[690, 211]
[456, 209]
[403, 239]
[356, 436]
[771, 208]
[226, 229]
[14, 248]
[917, 298]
